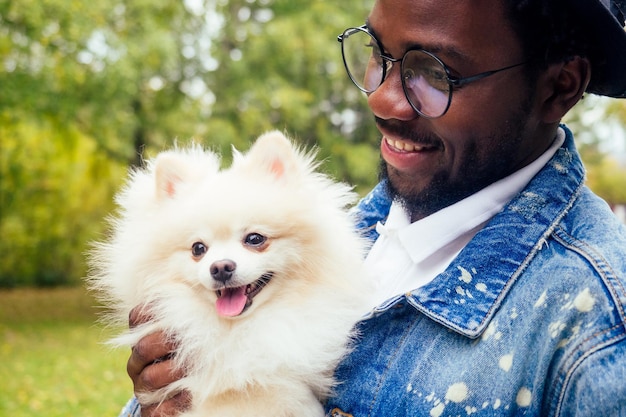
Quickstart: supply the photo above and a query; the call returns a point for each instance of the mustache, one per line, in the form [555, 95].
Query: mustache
[402, 130]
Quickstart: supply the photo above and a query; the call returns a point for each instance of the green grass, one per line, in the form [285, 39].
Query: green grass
[53, 361]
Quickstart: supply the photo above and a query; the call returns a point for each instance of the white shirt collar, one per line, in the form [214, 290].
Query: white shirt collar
[430, 244]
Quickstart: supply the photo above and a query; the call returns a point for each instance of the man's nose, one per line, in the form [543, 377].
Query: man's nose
[389, 100]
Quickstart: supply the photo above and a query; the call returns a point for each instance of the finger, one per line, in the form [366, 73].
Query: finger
[157, 375]
[152, 348]
[171, 407]
[139, 315]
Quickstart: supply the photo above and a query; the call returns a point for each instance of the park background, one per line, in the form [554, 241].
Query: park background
[88, 88]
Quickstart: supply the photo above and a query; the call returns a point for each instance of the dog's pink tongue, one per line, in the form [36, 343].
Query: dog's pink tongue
[232, 302]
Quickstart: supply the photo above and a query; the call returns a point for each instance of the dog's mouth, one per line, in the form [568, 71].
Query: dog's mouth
[233, 301]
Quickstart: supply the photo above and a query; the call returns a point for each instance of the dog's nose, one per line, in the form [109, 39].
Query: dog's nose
[223, 270]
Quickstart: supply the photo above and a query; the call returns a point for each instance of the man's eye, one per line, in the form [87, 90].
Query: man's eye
[254, 239]
[198, 249]
[434, 74]
[435, 77]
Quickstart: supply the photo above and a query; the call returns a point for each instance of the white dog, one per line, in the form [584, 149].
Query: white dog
[255, 271]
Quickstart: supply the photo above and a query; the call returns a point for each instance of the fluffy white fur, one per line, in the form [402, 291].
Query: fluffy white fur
[277, 357]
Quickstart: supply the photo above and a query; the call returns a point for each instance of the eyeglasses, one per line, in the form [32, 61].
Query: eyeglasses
[427, 82]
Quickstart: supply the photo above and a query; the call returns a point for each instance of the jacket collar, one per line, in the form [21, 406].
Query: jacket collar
[470, 291]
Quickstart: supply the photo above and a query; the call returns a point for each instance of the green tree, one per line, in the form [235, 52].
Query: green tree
[280, 67]
[86, 87]
[54, 187]
[119, 71]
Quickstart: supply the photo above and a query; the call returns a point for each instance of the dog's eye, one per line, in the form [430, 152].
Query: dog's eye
[198, 249]
[254, 239]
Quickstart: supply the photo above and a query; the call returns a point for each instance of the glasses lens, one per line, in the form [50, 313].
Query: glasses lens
[361, 56]
[425, 82]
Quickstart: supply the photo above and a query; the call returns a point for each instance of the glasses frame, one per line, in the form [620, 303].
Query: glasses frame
[453, 82]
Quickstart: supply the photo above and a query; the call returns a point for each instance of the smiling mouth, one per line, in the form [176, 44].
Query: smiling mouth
[404, 146]
[233, 301]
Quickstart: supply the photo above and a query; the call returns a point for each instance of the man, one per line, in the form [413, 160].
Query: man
[502, 278]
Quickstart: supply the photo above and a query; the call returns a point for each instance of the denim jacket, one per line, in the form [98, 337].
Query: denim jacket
[529, 319]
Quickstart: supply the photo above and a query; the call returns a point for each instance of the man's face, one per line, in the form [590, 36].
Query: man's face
[493, 126]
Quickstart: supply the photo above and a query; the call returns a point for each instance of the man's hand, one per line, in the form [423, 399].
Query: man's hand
[150, 367]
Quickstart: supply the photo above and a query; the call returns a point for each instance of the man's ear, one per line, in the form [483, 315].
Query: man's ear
[562, 85]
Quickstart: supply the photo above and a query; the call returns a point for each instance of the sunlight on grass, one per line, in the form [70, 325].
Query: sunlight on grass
[54, 360]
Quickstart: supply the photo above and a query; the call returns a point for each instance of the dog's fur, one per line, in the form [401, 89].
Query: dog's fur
[187, 230]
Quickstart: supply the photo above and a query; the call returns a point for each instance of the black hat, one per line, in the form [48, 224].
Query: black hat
[606, 20]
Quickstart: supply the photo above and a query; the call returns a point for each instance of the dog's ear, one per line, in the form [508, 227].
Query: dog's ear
[274, 153]
[169, 172]
[175, 168]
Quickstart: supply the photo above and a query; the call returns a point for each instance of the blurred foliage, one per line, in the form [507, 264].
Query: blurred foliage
[599, 126]
[87, 88]
[53, 189]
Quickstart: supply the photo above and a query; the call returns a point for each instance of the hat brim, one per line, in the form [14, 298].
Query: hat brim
[608, 72]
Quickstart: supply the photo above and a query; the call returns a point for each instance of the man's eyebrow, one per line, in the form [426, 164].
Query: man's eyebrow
[449, 51]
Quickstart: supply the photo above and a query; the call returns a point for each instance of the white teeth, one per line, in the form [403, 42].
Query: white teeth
[250, 288]
[403, 146]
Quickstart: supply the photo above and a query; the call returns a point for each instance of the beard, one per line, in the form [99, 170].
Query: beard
[439, 194]
[443, 189]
